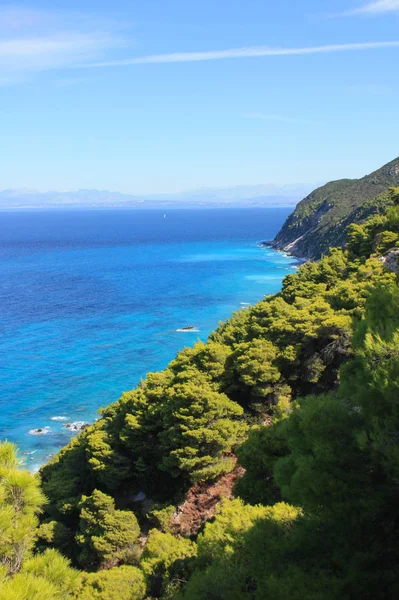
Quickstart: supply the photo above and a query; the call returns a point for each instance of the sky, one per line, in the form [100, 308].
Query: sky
[161, 96]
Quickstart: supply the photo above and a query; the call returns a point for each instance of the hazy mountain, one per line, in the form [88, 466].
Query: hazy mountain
[257, 195]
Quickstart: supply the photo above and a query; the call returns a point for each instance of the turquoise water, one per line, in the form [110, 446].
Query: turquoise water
[92, 300]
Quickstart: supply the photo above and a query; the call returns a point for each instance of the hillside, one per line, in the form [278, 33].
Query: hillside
[320, 220]
[260, 464]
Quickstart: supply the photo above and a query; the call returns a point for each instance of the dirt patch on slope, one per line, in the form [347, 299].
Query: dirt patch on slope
[200, 502]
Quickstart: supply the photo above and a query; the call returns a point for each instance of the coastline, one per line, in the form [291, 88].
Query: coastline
[286, 251]
[74, 427]
[79, 362]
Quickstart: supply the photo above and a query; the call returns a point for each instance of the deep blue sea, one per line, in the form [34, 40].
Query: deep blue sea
[92, 300]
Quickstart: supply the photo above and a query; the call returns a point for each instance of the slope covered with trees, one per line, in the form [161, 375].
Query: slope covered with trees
[302, 388]
[320, 220]
[338, 470]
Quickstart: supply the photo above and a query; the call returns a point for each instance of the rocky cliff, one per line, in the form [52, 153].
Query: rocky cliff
[320, 220]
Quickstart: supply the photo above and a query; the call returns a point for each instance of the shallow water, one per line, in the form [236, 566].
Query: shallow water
[92, 300]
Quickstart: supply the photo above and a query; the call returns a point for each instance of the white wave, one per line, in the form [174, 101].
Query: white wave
[184, 330]
[59, 418]
[75, 425]
[40, 431]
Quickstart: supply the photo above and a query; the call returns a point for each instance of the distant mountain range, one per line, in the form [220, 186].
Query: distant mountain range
[257, 195]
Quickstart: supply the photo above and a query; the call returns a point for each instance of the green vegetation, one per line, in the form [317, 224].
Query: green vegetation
[303, 389]
[105, 536]
[180, 426]
[320, 220]
[341, 467]
[23, 575]
[167, 561]
[123, 583]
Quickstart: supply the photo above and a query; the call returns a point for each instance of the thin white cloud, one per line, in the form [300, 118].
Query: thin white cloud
[376, 7]
[278, 118]
[65, 45]
[34, 40]
[248, 52]
[43, 53]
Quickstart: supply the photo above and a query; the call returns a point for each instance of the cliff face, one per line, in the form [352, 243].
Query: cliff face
[319, 221]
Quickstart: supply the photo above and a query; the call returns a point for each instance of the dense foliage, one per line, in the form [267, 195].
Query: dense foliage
[340, 465]
[303, 389]
[24, 576]
[122, 583]
[180, 426]
[106, 536]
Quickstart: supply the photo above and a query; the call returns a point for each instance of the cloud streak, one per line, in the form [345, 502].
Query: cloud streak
[247, 52]
[376, 7]
[49, 52]
[32, 41]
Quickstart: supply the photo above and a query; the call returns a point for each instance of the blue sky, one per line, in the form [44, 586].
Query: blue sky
[152, 96]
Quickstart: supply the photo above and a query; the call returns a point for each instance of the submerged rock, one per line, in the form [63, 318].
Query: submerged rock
[76, 426]
[40, 431]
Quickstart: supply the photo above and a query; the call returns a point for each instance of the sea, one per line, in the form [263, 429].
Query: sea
[92, 300]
